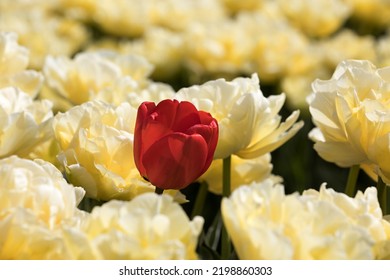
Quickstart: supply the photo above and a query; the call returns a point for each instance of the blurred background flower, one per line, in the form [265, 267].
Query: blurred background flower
[316, 23]
[78, 80]
[42, 29]
[13, 68]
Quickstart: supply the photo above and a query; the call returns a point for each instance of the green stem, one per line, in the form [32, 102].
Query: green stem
[350, 188]
[200, 199]
[382, 195]
[226, 189]
[158, 190]
[87, 204]
[226, 166]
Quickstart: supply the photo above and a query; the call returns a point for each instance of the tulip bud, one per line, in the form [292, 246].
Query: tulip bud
[174, 143]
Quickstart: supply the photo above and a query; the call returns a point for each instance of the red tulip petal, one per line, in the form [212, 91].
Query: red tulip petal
[176, 116]
[186, 116]
[206, 121]
[206, 118]
[153, 122]
[210, 135]
[165, 113]
[174, 143]
[176, 160]
[138, 147]
[167, 117]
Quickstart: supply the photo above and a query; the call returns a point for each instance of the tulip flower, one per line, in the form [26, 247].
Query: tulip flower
[174, 143]
[266, 223]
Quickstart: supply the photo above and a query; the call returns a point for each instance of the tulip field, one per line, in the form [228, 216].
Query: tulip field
[194, 130]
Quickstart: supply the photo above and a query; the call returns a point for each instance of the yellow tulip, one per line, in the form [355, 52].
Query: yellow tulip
[351, 114]
[24, 123]
[35, 204]
[150, 226]
[265, 223]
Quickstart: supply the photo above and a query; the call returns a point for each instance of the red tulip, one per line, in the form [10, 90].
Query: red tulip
[174, 143]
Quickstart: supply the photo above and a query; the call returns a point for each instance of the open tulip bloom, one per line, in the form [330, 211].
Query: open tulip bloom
[174, 143]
